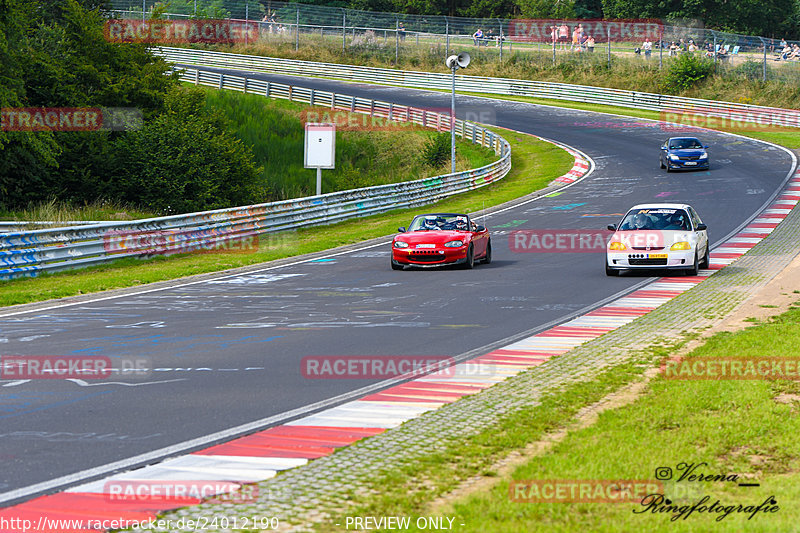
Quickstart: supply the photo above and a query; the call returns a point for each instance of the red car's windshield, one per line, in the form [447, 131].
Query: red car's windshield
[440, 223]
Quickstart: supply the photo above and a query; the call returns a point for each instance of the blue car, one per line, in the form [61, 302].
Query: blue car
[683, 153]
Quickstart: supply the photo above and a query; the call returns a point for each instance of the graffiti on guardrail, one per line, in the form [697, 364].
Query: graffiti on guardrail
[165, 242]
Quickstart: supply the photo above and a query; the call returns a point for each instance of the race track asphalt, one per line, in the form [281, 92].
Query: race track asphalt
[228, 351]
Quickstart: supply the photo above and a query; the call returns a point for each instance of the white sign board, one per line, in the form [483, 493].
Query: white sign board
[320, 147]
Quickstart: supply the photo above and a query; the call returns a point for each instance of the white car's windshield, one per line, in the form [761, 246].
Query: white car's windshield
[440, 222]
[655, 219]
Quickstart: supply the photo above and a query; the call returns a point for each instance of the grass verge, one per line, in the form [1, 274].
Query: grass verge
[788, 139]
[745, 428]
[369, 151]
[747, 431]
[534, 164]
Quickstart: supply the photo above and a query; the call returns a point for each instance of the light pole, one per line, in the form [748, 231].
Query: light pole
[454, 63]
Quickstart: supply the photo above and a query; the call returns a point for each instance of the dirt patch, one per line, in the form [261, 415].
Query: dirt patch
[505, 466]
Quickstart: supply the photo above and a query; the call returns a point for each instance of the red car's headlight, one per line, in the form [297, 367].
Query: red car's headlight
[453, 244]
[400, 244]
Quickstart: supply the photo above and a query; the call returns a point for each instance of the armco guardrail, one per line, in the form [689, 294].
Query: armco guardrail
[503, 86]
[28, 253]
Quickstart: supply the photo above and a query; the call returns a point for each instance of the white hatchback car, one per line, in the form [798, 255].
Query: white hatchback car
[658, 236]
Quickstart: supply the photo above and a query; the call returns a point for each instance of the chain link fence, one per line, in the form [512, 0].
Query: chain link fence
[648, 44]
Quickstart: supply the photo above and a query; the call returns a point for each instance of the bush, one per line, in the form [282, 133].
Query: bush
[186, 160]
[437, 150]
[686, 71]
[752, 70]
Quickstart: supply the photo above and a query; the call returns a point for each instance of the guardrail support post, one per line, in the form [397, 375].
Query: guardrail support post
[266, 91]
[333, 100]
[372, 108]
[221, 78]
[311, 98]
[245, 86]
[352, 104]
[391, 109]
[290, 93]
[197, 77]
[297, 30]
[344, 28]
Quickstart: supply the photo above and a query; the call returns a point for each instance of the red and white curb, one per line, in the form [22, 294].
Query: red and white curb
[579, 168]
[226, 468]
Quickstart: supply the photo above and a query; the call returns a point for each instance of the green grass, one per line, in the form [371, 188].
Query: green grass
[368, 151]
[733, 426]
[55, 211]
[738, 80]
[789, 139]
[534, 165]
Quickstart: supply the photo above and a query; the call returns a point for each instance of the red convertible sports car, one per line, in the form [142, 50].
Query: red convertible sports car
[441, 239]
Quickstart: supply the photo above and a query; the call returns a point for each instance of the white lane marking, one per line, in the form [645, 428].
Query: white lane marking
[83, 383]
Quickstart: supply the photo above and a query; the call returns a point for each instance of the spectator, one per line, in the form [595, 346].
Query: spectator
[692, 46]
[590, 44]
[402, 31]
[477, 37]
[563, 35]
[783, 44]
[576, 39]
[673, 49]
[647, 46]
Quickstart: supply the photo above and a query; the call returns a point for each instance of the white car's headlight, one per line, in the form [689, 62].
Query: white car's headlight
[703, 156]
[454, 244]
[681, 245]
[400, 244]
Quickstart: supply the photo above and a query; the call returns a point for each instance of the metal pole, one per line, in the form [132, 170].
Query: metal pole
[195, 8]
[297, 31]
[396, 40]
[553, 29]
[344, 30]
[453, 123]
[715, 51]
[660, 52]
[501, 42]
[144, 9]
[764, 67]
[319, 181]
[608, 29]
[246, 20]
[447, 37]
